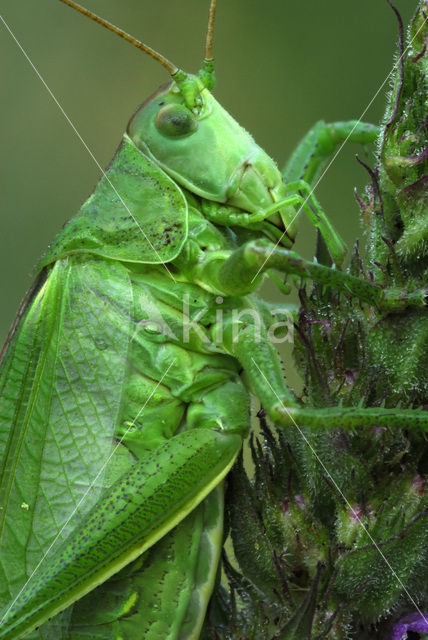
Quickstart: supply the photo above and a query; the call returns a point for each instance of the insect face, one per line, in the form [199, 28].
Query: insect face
[206, 151]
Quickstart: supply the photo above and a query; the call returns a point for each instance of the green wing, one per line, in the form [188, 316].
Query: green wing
[164, 593]
[60, 388]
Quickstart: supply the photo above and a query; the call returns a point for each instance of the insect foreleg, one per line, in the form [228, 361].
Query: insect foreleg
[319, 145]
[305, 167]
[301, 198]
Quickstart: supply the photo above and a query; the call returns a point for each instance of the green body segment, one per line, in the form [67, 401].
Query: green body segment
[116, 350]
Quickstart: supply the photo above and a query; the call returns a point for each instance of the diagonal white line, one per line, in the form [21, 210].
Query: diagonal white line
[42, 80]
[397, 63]
[89, 489]
[342, 495]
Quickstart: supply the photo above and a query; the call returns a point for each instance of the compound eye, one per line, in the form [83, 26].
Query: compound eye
[175, 121]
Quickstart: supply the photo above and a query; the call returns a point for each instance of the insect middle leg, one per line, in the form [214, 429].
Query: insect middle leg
[243, 269]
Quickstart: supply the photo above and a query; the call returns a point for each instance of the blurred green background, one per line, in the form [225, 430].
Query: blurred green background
[281, 65]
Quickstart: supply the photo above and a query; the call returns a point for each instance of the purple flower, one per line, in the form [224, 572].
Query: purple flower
[410, 622]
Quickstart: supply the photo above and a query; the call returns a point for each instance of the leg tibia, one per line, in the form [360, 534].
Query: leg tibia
[242, 270]
[263, 370]
[351, 417]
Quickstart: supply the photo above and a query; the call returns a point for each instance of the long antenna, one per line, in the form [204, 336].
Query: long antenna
[207, 73]
[167, 64]
[210, 32]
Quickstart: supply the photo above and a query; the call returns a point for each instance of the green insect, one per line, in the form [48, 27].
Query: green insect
[125, 382]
